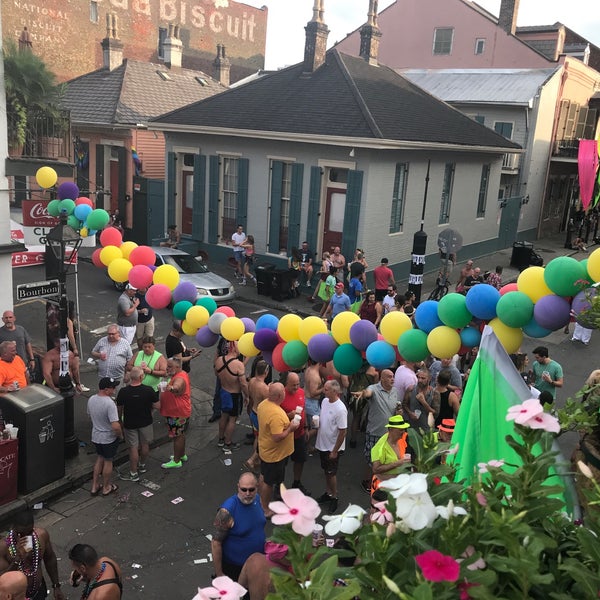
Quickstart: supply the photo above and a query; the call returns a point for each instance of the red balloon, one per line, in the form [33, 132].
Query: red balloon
[278, 362]
[158, 296]
[111, 236]
[142, 255]
[96, 258]
[509, 287]
[140, 276]
[228, 311]
[84, 200]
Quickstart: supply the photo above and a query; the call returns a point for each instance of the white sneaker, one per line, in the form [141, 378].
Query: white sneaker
[243, 282]
[84, 388]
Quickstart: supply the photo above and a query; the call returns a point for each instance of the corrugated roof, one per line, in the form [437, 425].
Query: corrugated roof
[493, 86]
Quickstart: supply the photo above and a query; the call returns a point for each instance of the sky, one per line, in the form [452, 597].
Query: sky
[285, 30]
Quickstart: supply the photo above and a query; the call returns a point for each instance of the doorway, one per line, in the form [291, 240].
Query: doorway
[335, 206]
[187, 202]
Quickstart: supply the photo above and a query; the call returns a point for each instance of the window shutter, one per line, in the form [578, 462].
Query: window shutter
[242, 208]
[100, 177]
[199, 198]
[213, 200]
[275, 213]
[352, 212]
[295, 205]
[314, 205]
[171, 187]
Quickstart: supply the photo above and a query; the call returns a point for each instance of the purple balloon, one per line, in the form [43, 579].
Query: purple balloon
[321, 347]
[552, 312]
[206, 338]
[581, 303]
[266, 339]
[481, 301]
[363, 333]
[186, 290]
[249, 325]
[67, 190]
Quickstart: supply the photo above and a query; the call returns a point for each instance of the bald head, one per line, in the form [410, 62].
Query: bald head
[276, 393]
[13, 585]
[292, 382]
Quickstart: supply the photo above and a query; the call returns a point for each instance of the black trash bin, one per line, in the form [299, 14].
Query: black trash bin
[521, 255]
[281, 284]
[38, 412]
[264, 275]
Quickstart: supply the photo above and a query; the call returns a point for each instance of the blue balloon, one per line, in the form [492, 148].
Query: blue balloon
[481, 301]
[535, 330]
[267, 321]
[470, 337]
[426, 316]
[82, 211]
[381, 355]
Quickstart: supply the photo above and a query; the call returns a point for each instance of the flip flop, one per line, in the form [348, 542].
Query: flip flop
[95, 493]
[113, 488]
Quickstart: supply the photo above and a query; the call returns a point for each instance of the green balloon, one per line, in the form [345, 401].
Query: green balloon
[74, 222]
[53, 208]
[347, 359]
[587, 276]
[515, 309]
[67, 206]
[180, 309]
[295, 354]
[412, 345]
[562, 274]
[453, 311]
[98, 219]
[209, 304]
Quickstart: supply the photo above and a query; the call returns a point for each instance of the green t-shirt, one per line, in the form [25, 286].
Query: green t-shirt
[555, 371]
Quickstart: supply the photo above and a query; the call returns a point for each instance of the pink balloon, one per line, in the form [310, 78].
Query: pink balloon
[140, 276]
[226, 310]
[84, 200]
[509, 287]
[111, 236]
[158, 296]
[96, 258]
[142, 255]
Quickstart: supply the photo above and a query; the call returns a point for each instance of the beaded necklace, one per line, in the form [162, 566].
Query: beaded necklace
[29, 572]
[91, 584]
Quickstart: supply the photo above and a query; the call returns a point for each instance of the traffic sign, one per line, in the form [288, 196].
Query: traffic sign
[38, 288]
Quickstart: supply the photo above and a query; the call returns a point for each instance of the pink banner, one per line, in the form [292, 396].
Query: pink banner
[587, 161]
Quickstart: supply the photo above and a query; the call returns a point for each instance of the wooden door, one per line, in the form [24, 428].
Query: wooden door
[333, 225]
[187, 201]
[114, 188]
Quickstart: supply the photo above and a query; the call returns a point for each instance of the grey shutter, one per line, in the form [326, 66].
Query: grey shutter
[275, 213]
[242, 207]
[171, 188]
[314, 204]
[199, 197]
[295, 206]
[352, 212]
[100, 177]
[213, 200]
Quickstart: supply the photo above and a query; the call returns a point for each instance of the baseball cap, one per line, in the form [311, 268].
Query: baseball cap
[384, 261]
[339, 286]
[397, 422]
[108, 382]
[130, 287]
[447, 425]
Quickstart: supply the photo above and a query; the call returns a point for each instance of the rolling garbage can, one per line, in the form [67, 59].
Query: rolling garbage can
[38, 412]
[281, 284]
[9, 459]
[264, 275]
[521, 255]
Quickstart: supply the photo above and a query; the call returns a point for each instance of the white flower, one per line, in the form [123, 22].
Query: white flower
[410, 484]
[450, 510]
[585, 470]
[483, 467]
[416, 511]
[348, 522]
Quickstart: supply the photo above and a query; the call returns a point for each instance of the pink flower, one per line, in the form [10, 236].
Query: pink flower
[483, 467]
[383, 515]
[478, 564]
[481, 499]
[522, 412]
[543, 421]
[463, 587]
[297, 509]
[437, 566]
[222, 588]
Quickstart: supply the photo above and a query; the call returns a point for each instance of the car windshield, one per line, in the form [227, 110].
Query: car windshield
[185, 263]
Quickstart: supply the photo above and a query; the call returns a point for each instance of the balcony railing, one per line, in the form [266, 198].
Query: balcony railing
[566, 148]
[510, 162]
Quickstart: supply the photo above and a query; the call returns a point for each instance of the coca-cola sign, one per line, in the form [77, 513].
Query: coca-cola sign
[35, 214]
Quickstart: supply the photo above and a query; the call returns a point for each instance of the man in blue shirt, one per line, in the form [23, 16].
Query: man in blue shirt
[338, 303]
[355, 289]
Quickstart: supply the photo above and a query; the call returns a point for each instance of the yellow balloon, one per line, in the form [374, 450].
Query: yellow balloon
[443, 342]
[232, 328]
[393, 325]
[510, 337]
[83, 232]
[127, 247]
[46, 177]
[109, 253]
[340, 326]
[311, 326]
[289, 327]
[197, 316]
[118, 270]
[188, 328]
[167, 275]
[593, 265]
[246, 345]
[531, 283]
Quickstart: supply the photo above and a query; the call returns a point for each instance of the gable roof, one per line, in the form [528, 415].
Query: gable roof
[345, 99]
[134, 92]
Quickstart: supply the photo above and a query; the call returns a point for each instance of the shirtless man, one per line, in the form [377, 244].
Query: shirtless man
[13, 585]
[27, 546]
[51, 368]
[101, 577]
[234, 391]
[258, 390]
[313, 389]
[464, 273]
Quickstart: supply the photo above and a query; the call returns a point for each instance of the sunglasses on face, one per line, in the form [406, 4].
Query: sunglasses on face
[245, 490]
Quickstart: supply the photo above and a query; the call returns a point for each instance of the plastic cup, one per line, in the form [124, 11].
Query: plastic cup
[297, 418]
[315, 421]
[143, 364]
[102, 355]
[14, 432]
[298, 410]
[28, 542]
[162, 386]
[8, 426]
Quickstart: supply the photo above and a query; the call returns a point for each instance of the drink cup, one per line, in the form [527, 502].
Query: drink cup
[16, 385]
[28, 542]
[407, 457]
[297, 418]
[8, 426]
[102, 355]
[298, 410]
[162, 386]
[317, 535]
[14, 432]
[143, 364]
[315, 421]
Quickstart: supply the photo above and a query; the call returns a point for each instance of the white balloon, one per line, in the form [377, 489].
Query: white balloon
[214, 322]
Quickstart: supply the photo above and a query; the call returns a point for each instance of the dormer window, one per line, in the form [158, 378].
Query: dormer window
[442, 40]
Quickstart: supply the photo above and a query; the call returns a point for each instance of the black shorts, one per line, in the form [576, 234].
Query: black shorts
[273, 473]
[231, 404]
[300, 453]
[107, 451]
[329, 465]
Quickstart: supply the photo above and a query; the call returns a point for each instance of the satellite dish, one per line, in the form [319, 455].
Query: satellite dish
[449, 241]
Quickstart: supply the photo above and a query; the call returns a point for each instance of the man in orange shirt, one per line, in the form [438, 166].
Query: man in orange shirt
[13, 372]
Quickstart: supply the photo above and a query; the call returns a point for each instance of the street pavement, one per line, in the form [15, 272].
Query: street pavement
[162, 544]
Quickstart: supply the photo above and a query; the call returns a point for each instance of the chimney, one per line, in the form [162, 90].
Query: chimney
[315, 47]
[222, 66]
[112, 48]
[173, 47]
[369, 36]
[508, 15]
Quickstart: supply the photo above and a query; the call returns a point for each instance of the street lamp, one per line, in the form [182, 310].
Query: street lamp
[64, 242]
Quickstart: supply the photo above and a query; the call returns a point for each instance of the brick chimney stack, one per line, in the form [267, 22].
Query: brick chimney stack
[317, 31]
[173, 47]
[370, 35]
[112, 48]
[509, 9]
[222, 66]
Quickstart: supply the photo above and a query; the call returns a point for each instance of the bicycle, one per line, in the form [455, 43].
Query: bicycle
[441, 284]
